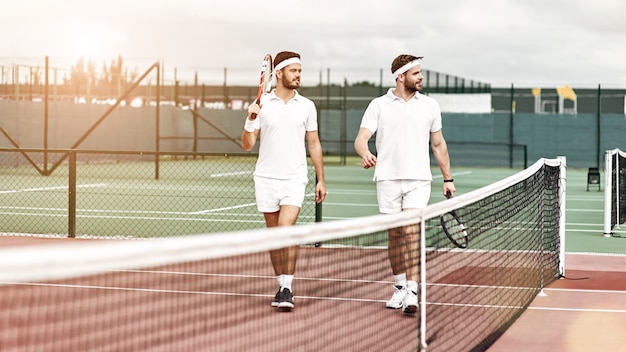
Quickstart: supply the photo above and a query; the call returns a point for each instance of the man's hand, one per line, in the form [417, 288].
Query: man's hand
[253, 111]
[320, 192]
[368, 160]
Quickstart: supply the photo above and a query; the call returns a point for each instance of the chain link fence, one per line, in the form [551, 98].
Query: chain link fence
[131, 194]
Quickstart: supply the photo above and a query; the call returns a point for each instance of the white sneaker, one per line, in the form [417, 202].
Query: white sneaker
[398, 297]
[409, 305]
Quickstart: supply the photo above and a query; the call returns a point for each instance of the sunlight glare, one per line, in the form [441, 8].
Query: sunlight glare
[88, 43]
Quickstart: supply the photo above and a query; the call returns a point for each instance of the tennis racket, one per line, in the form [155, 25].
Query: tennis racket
[265, 82]
[454, 228]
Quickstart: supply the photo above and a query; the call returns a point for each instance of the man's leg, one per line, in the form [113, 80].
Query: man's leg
[396, 252]
[411, 235]
[283, 259]
[416, 197]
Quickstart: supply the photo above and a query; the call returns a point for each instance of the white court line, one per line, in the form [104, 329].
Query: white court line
[247, 276]
[209, 293]
[64, 210]
[585, 210]
[372, 205]
[51, 188]
[215, 293]
[454, 174]
[232, 174]
[579, 290]
[199, 212]
[110, 211]
[206, 211]
[83, 216]
[272, 278]
[599, 198]
[588, 310]
[105, 211]
[350, 192]
[237, 220]
[221, 209]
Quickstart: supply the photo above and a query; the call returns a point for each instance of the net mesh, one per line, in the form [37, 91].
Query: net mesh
[615, 207]
[213, 292]
[474, 294]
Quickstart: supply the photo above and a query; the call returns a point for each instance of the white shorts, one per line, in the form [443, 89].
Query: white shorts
[271, 193]
[395, 196]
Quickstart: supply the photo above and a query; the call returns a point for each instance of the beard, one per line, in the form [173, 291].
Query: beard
[293, 84]
[411, 86]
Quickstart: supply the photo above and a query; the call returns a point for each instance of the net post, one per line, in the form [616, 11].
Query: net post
[563, 181]
[608, 186]
[619, 188]
[422, 285]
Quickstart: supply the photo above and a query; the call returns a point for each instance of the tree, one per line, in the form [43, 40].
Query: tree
[112, 78]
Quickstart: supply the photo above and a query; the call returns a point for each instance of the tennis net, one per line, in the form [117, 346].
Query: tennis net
[614, 191]
[212, 292]
[515, 248]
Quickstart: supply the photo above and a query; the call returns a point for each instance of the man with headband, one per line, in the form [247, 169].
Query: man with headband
[281, 173]
[404, 121]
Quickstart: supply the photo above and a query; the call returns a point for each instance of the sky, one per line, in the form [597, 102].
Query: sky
[527, 43]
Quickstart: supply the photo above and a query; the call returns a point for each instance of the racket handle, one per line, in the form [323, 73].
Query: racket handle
[448, 194]
[256, 101]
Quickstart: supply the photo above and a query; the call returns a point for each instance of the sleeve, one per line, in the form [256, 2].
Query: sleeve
[311, 119]
[436, 117]
[370, 117]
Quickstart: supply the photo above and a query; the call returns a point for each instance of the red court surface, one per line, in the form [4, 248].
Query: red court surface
[212, 305]
[586, 311]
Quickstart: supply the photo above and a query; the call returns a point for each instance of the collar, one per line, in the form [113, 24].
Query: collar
[273, 95]
[392, 96]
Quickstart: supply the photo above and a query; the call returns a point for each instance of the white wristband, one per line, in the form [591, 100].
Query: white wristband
[249, 126]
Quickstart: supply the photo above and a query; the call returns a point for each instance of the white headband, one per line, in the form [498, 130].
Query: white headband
[406, 67]
[292, 60]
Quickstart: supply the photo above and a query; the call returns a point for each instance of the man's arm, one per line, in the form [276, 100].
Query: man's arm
[317, 158]
[440, 152]
[362, 149]
[250, 134]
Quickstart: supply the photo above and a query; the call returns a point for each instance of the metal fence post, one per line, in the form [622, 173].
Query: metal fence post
[71, 195]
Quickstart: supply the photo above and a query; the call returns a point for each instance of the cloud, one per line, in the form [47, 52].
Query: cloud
[531, 42]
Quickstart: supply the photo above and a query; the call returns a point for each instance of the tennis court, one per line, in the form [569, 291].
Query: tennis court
[349, 299]
[584, 311]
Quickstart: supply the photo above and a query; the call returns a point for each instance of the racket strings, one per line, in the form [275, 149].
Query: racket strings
[454, 229]
[265, 81]
[268, 74]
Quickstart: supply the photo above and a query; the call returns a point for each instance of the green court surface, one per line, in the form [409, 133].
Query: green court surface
[202, 196]
[352, 193]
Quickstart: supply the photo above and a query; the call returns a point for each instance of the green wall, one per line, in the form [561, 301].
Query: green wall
[473, 139]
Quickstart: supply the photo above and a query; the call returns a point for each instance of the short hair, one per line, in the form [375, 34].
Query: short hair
[284, 55]
[402, 60]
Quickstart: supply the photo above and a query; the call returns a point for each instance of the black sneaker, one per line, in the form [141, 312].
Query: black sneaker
[285, 299]
[276, 299]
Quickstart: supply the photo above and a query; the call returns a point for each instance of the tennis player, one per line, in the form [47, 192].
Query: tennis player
[405, 121]
[285, 120]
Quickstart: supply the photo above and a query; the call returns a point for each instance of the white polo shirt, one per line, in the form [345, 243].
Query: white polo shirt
[402, 135]
[282, 151]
